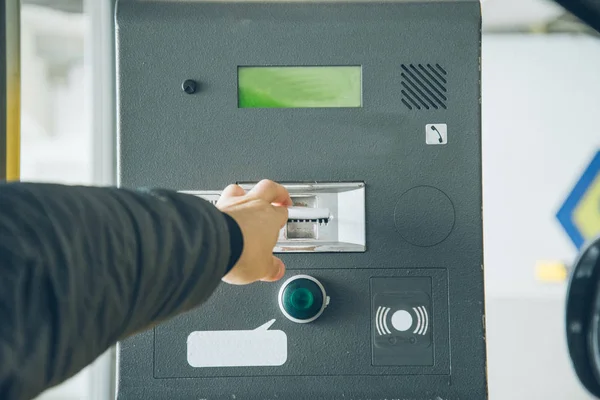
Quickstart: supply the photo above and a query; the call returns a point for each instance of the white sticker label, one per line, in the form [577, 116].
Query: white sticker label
[436, 134]
[256, 348]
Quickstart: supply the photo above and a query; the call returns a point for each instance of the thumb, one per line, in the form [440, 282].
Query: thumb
[275, 272]
[282, 215]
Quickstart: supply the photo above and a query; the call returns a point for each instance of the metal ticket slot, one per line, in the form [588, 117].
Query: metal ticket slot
[369, 114]
[325, 217]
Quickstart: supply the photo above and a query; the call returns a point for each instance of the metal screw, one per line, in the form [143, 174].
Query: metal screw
[189, 86]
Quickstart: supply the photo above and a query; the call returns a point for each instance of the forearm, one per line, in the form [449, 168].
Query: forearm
[84, 267]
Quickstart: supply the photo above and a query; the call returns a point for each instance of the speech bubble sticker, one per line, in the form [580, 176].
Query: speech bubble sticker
[266, 326]
[260, 347]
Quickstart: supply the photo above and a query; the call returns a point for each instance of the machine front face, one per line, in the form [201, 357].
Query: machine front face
[369, 113]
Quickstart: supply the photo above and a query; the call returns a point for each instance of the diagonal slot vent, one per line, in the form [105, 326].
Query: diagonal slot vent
[423, 86]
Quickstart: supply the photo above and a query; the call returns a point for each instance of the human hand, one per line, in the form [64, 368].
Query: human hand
[260, 214]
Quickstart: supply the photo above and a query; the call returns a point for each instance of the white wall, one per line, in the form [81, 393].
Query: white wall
[541, 101]
[62, 151]
[56, 140]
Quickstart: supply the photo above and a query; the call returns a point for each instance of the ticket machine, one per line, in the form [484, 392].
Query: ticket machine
[370, 114]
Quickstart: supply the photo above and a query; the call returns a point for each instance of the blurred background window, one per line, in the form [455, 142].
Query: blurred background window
[67, 121]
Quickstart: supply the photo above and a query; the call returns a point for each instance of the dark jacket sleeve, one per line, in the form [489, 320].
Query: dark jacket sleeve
[82, 267]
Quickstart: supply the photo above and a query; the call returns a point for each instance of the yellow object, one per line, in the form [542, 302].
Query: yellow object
[551, 271]
[13, 92]
[587, 213]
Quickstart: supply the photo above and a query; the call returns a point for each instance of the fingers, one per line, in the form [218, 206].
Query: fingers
[271, 192]
[231, 191]
[276, 271]
[282, 213]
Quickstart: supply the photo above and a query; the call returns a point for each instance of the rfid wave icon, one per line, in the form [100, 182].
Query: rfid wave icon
[402, 320]
[580, 213]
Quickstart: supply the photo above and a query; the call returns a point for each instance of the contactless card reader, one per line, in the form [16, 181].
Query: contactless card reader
[369, 114]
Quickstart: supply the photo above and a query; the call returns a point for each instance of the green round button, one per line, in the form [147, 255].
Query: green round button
[302, 299]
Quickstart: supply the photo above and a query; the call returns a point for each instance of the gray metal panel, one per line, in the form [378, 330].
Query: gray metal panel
[203, 141]
[346, 321]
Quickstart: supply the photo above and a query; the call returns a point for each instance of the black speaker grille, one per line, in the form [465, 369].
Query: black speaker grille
[423, 86]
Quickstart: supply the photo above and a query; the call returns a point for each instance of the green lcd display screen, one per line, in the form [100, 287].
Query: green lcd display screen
[300, 87]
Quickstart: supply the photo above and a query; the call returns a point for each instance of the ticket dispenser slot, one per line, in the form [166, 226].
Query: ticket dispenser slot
[324, 217]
